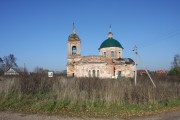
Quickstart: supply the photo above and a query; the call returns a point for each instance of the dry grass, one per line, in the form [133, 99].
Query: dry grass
[122, 90]
[89, 96]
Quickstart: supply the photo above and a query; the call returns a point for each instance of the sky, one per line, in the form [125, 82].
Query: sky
[36, 31]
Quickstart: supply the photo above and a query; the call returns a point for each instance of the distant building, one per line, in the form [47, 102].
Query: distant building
[12, 71]
[161, 72]
[109, 64]
[50, 74]
[141, 72]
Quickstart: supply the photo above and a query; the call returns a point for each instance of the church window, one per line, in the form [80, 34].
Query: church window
[94, 73]
[104, 54]
[114, 71]
[119, 54]
[112, 53]
[119, 73]
[97, 73]
[89, 73]
[74, 50]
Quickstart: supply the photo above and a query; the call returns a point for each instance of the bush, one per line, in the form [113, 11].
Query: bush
[175, 71]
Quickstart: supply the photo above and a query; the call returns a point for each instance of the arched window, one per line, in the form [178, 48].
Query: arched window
[104, 54]
[114, 71]
[89, 73]
[119, 73]
[97, 73]
[94, 73]
[119, 54]
[74, 50]
[112, 53]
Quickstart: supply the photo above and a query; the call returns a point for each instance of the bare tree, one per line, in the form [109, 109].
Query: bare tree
[23, 69]
[176, 62]
[10, 61]
[1, 61]
[40, 70]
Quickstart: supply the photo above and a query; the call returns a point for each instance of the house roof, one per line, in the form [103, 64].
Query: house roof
[124, 60]
[141, 71]
[14, 69]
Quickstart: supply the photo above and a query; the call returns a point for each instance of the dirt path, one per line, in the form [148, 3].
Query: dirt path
[21, 116]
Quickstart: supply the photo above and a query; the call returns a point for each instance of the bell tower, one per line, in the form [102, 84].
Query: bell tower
[74, 44]
[74, 51]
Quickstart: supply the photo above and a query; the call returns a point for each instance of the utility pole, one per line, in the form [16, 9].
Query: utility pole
[146, 71]
[135, 69]
[135, 76]
[24, 67]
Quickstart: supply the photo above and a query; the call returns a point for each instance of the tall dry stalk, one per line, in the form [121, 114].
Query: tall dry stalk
[94, 89]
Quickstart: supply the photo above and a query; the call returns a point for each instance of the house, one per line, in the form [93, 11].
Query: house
[141, 72]
[12, 71]
[161, 72]
[108, 64]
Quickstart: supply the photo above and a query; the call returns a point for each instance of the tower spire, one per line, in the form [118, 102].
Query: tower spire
[110, 34]
[110, 28]
[73, 30]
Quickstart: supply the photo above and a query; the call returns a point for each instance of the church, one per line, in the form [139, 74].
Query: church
[108, 64]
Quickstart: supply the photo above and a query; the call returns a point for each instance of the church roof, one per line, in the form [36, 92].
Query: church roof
[73, 36]
[110, 42]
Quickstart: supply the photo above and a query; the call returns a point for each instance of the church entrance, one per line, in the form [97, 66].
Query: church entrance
[94, 73]
[119, 73]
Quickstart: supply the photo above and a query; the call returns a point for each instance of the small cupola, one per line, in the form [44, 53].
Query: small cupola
[73, 36]
[110, 42]
[110, 34]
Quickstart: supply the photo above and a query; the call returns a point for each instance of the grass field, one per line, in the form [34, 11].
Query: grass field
[89, 96]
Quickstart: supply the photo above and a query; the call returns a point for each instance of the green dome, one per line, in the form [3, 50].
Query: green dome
[110, 42]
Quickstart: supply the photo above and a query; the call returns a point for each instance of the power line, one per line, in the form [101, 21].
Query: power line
[135, 76]
[166, 38]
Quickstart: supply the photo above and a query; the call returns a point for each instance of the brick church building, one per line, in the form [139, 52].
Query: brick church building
[108, 64]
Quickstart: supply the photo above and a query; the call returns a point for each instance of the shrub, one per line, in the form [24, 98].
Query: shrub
[175, 71]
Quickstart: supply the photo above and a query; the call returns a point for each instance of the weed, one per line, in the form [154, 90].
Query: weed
[79, 96]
